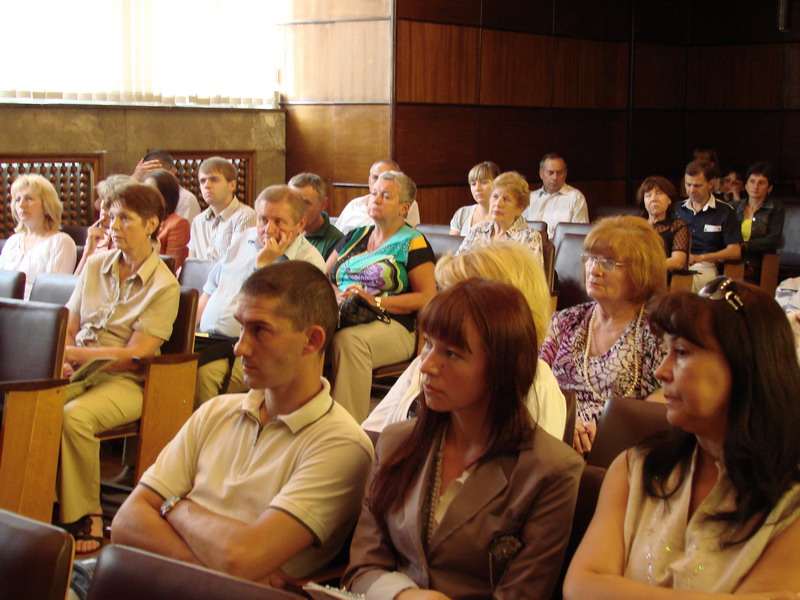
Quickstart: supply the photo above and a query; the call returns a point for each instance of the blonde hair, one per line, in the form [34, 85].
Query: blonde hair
[506, 262]
[484, 170]
[516, 185]
[632, 240]
[42, 188]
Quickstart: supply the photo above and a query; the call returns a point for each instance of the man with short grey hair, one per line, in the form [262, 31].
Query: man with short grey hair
[318, 229]
[355, 213]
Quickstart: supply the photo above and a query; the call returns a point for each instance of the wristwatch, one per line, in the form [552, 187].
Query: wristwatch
[169, 504]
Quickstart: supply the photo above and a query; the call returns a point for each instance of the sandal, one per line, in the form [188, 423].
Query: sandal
[81, 530]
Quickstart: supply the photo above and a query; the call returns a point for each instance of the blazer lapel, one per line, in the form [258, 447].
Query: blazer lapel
[479, 489]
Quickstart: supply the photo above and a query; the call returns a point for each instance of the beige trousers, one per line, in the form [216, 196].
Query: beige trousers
[356, 351]
[111, 400]
[210, 377]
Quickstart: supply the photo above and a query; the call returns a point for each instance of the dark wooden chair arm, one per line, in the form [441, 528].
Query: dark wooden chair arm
[165, 359]
[31, 385]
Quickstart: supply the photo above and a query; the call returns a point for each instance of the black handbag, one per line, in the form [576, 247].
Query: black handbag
[356, 310]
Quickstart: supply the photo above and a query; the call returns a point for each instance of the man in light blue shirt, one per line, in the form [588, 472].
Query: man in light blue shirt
[280, 218]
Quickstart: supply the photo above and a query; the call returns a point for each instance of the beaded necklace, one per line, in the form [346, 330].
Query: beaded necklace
[636, 361]
[432, 496]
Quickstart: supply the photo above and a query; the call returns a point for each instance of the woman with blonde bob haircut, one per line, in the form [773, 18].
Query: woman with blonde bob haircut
[37, 246]
[480, 180]
[606, 348]
[509, 263]
[510, 197]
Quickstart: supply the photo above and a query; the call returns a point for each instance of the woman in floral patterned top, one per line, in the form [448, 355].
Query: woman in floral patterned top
[606, 348]
[510, 196]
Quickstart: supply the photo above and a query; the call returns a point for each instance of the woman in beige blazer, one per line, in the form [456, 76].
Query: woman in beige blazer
[470, 499]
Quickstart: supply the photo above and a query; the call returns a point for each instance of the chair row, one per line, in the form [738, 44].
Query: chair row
[34, 334]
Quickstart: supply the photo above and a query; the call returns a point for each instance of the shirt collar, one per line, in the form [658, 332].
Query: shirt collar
[145, 271]
[711, 204]
[561, 191]
[226, 212]
[311, 412]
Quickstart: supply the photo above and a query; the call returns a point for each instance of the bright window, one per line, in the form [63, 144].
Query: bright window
[173, 52]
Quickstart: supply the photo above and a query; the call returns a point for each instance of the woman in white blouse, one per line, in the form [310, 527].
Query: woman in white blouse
[37, 246]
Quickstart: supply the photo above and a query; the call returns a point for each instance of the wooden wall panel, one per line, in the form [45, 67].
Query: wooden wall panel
[589, 74]
[467, 12]
[515, 138]
[315, 10]
[436, 145]
[337, 142]
[533, 16]
[606, 20]
[661, 22]
[348, 61]
[438, 204]
[741, 22]
[361, 136]
[341, 195]
[735, 77]
[609, 192]
[659, 76]
[790, 151]
[593, 142]
[791, 76]
[309, 140]
[516, 69]
[741, 137]
[658, 143]
[437, 63]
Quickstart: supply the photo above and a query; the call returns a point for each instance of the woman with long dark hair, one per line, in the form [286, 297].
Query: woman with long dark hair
[712, 508]
[470, 499]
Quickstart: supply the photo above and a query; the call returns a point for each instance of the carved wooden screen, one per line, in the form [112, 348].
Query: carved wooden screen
[187, 166]
[73, 176]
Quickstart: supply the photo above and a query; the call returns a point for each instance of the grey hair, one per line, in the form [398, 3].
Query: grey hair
[301, 180]
[552, 156]
[408, 189]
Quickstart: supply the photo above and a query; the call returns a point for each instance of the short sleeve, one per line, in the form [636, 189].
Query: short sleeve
[419, 252]
[732, 230]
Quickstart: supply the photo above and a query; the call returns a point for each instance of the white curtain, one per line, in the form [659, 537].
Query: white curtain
[173, 52]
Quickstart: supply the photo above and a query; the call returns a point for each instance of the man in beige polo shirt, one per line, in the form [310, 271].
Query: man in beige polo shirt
[266, 484]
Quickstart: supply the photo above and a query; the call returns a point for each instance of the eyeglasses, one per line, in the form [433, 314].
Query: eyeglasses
[722, 288]
[606, 264]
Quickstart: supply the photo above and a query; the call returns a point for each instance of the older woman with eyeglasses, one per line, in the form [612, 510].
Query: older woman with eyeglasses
[605, 348]
[712, 509]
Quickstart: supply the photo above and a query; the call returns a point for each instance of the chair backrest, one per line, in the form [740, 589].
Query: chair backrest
[442, 243]
[182, 339]
[78, 233]
[571, 398]
[195, 272]
[564, 228]
[625, 422]
[613, 210]
[124, 573]
[36, 559]
[32, 336]
[12, 284]
[427, 228]
[169, 261]
[549, 261]
[588, 493]
[539, 226]
[569, 267]
[54, 287]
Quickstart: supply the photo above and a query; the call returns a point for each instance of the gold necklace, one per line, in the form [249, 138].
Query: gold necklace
[636, 362]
